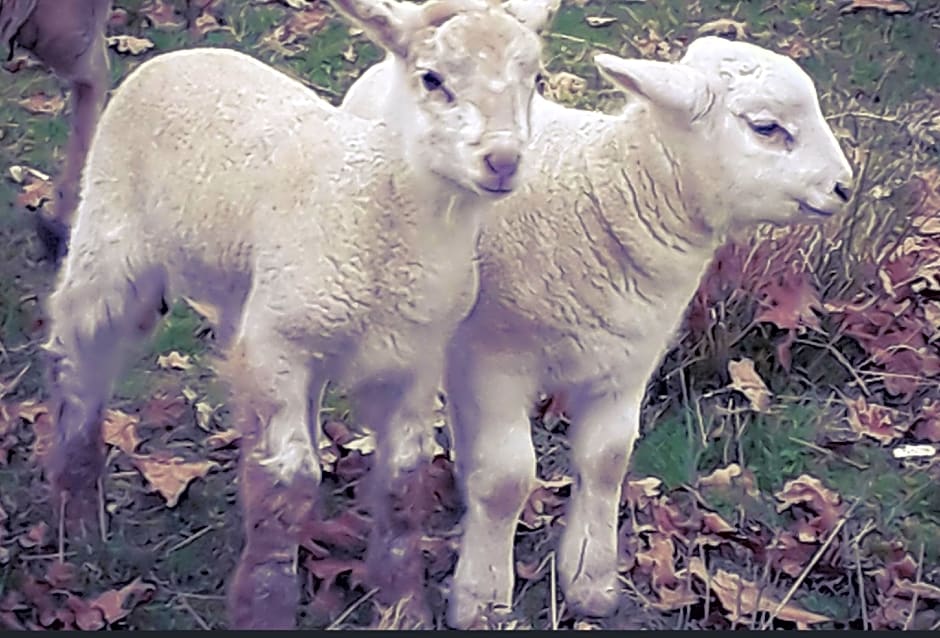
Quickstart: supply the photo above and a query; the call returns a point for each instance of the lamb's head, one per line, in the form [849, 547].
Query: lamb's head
[464, 75]
[749, 121]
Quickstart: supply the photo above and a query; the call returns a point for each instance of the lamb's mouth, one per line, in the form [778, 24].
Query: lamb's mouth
[812, 210]
[498, 190]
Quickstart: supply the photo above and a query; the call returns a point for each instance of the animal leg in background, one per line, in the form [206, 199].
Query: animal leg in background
[496, 471]
[69, 37]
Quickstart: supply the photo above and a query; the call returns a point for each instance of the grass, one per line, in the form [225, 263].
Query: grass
[877, 74]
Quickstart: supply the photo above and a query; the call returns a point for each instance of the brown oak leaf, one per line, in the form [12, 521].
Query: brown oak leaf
[744, 379]
[170, 475]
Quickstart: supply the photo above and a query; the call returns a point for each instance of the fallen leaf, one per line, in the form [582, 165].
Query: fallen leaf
[208, 311]
[130, 44]
[305, 23]
[788, 301]
[363, 444]
[35, 194]
[744, 379]
[639, 492]
[564, 87]
[42, 104]
[204, 413]
[162, 15]
[222, 439]
[175, 361]
[810, 492]
[207, 23]
[721, 477]
[875, 421]
[170, 475]
[888, 6]
[742, 598]
[35, 536]
[20, 174]
[724, 27]
[112, 603]
[120, 430]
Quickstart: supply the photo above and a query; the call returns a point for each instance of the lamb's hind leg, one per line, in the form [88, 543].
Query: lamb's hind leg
[94, 316]
[279, 477]
[604, 429]
[496, 472]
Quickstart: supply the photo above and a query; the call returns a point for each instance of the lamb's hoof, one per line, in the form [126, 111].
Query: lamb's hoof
[591, 598]
[264, 596]
[396, 568]
[471, 612]
[76, 466]
[54, 236]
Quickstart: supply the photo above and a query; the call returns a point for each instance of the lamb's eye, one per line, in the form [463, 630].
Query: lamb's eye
[767, 129]
[434, 82]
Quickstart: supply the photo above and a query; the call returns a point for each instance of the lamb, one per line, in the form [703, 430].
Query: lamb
[68, 36]
[585, 273]
[334, 248]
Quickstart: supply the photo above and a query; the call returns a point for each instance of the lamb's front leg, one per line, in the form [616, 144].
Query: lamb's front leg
[279, 476]
[401, 413]
[604, 429]
[497, 472]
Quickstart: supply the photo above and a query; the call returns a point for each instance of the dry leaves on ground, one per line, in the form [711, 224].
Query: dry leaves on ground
[170, 475]
[744, 379]
[742, 598]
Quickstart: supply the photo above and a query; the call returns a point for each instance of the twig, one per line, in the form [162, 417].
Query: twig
[190, 539]
[102, 516]
[822, 450]
[861, 588]
[346, 612]
[6, 388]
[182, 602]
[65, 498]
[554, 598]
[809, 567]
[708, 583]
[60, 555]
[920, 566]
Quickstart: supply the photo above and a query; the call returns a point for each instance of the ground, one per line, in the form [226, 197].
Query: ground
[769, 488]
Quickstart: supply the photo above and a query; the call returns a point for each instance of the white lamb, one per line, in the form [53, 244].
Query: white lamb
[346, 245]
[585, 274]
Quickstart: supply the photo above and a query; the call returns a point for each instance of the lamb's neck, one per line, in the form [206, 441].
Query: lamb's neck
[652, 207]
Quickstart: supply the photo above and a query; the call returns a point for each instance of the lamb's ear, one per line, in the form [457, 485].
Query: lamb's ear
[386, 22]
[675, 87]
[535, 14]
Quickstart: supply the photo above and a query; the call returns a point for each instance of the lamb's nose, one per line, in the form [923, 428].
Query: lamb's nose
[502, 161]
[843, 192]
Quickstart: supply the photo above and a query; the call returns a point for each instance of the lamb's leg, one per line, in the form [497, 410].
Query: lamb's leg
[603, 432]
[87, 101]
[279, 478]
[496, 472]
[69, 37]
[399, 503]
[94, 317]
